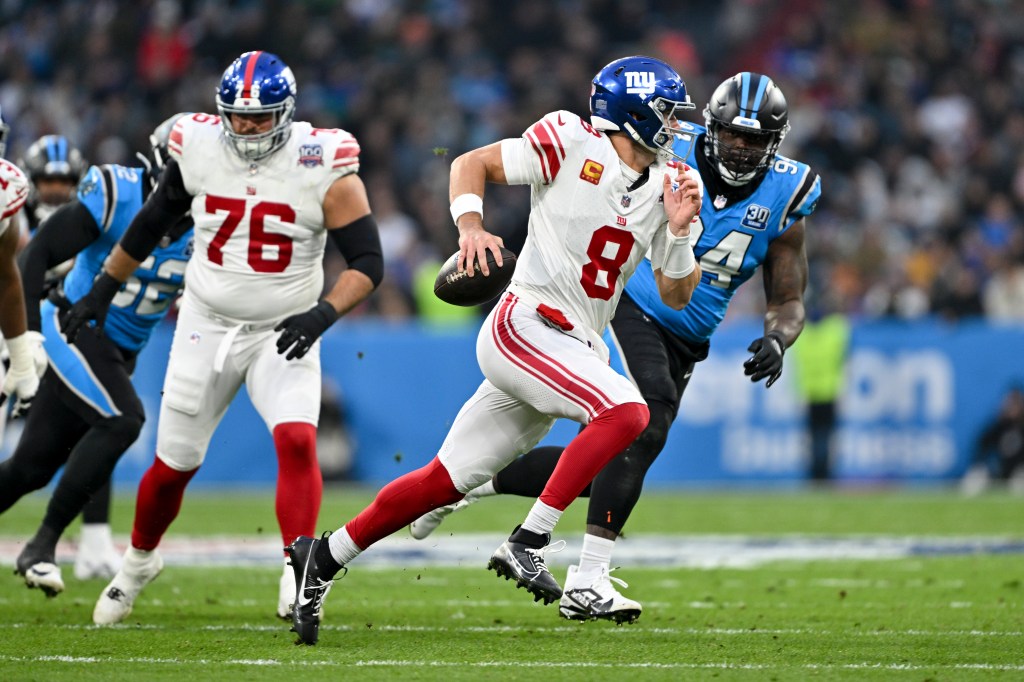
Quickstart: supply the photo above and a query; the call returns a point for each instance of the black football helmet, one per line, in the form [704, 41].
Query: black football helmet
[156, 160]
[752, 106]
[53, 156]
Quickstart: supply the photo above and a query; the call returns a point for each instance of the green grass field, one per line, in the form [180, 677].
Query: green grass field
[923, 617]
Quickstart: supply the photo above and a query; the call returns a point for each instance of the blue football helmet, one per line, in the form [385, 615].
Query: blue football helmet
[257, 83]
[640, 96]
[751, 106]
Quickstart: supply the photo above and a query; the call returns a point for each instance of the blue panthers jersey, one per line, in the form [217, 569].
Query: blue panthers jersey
[113, 195]
[730, 242]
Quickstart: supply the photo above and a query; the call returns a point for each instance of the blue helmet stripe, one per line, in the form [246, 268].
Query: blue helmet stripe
[761, 87]
[745, 80]
[62, 148]
[51, 148]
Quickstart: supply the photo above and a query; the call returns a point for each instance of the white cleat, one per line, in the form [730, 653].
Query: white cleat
[286, 592]
[592, 596]
[46, 577]
[97, 557]
[138, 570]
[426, 524]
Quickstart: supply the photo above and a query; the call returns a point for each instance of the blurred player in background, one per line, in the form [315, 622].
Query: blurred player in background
[87, 413]
[602, 193]
[753, 215]
[24, 348]
[55, 167]
[265, 194]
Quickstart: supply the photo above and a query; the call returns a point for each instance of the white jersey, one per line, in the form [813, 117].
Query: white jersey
[588, 230]
[259, 226]
[13, 193]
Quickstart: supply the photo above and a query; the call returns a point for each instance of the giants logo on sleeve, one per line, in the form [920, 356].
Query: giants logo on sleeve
[591, 172]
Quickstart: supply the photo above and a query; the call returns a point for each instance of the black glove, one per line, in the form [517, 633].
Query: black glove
[304, 329]
[93, 306]
[767, 358]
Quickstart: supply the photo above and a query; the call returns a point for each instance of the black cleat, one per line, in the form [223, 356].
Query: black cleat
[311, 587]
[521, 558]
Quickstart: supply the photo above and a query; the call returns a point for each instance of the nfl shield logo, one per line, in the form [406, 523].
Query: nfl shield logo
[626, 200]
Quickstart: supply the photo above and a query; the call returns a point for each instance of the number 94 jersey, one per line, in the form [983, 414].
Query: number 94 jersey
[260, 232]
[730, 241]
[113, 195]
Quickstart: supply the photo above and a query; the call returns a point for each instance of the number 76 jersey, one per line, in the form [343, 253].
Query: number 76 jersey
[259, 226]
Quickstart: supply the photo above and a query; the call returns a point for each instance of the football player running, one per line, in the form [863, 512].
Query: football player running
[88, 391]
[753, 215]
[24, 347]
[55, 167]
[265, 194]
[602, 193]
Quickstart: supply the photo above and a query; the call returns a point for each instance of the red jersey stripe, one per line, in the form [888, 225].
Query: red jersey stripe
[540, 155]
[548, 145]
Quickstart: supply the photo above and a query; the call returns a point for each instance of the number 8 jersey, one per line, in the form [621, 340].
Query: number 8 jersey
[259, 226]
[591, 220]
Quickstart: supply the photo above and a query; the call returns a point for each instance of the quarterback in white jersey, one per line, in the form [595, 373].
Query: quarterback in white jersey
[601, 194]
[25, 348]
[264, 193]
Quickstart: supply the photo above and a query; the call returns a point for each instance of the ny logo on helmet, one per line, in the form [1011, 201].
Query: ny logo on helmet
[639, 82]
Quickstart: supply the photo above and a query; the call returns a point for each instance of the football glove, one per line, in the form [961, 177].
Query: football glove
[28, 363]
[93, 306]
[300, 332]
[767, 359]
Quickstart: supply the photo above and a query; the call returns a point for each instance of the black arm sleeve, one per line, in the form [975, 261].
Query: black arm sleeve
[165, 206]
[61, 236]
[359, 243]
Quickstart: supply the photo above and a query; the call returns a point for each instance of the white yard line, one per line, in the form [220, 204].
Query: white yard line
[517, 664]
[697, 551]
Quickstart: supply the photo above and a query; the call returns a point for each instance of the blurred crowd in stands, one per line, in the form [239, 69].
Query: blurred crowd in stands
[912, 111]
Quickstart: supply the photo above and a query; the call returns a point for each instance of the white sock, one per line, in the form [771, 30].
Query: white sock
[596, 554]
[343, 547]
[95, 535]
[542, 518]
[485, 490]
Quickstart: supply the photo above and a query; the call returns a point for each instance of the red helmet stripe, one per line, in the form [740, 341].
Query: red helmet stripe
[250, 69]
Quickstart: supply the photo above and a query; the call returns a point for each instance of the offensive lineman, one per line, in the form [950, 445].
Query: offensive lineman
[601, 194]
[265, 193]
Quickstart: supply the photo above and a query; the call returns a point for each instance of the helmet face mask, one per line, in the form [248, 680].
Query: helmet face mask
[642, 97]
[256, 84]
[747, 118]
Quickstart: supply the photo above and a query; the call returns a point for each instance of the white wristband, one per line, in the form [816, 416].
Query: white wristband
[679, 259]
[21, 353]
[467, 203]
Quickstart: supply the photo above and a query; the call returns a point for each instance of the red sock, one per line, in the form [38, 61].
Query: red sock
[596, 445]
[158, 503]
[402, 501]
[300, 485]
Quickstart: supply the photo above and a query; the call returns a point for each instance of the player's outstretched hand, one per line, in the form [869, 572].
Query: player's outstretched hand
[91, 307]
[767, 359]
[300, 332]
